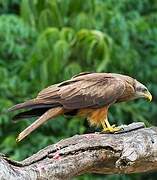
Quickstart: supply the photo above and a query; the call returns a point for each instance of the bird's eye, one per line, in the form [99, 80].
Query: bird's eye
[141, 89]
[144, 89]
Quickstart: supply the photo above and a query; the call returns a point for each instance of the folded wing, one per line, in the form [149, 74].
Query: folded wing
[91, 90]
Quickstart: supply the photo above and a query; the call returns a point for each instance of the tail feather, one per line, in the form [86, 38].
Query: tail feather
[34, 104]
[29, 114]
[51, 113]
[28, 104]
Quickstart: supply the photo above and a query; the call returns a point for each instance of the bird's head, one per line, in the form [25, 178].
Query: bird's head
[141, 91]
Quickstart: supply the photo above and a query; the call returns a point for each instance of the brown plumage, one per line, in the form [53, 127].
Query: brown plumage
[86, 94]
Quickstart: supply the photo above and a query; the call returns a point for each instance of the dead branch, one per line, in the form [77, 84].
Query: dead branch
[133, 150]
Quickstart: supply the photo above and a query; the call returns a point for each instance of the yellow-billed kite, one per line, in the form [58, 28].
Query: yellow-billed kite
[86, 94]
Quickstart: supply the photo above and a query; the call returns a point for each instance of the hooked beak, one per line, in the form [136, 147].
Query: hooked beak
[148, 95]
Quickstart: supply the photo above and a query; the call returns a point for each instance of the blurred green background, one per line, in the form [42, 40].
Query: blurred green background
[43, 42]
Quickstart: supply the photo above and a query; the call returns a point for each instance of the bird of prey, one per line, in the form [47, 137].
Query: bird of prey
[87, 94]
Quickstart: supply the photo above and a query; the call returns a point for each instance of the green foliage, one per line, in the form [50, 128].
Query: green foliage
[56, 50]
[52, 40]
[15, 41]
[9, 6]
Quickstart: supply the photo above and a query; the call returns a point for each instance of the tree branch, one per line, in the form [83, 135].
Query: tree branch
[132, 150]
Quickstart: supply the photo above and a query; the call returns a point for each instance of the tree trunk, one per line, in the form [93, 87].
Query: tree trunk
[132, 150]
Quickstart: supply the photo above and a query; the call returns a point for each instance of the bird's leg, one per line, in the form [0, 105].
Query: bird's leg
[111, 128]
[103, 125]
[104, 121]
[107, 127]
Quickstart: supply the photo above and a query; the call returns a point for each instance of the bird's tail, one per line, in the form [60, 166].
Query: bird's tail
[31, 104]
[30, 113]
[35, 108]
[51, 113]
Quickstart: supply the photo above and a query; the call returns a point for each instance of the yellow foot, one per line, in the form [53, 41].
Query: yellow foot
[111, 129]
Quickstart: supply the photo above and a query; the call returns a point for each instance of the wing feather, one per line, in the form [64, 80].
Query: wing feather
[90, 90]
[96, 94]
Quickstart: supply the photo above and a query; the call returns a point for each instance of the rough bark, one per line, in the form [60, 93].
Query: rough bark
[132, 150]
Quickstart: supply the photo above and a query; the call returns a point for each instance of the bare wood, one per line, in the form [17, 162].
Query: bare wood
[133, 150]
